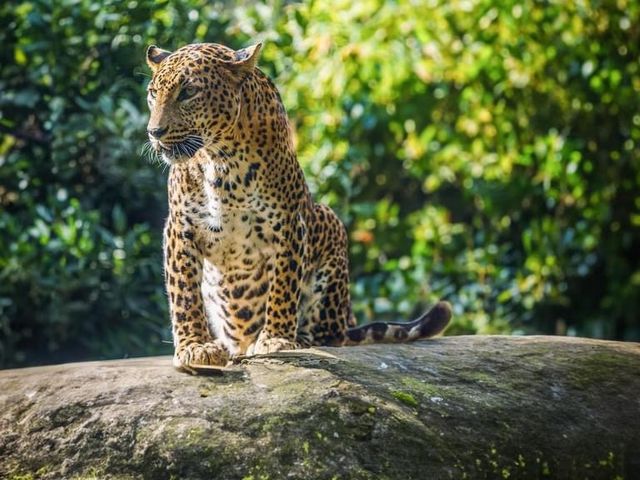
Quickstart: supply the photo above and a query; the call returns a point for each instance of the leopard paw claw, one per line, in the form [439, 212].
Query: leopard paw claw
[271, 345]
[210, 353]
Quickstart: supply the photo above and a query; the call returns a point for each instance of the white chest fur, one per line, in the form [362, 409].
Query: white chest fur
[228, 231]
[214, 211]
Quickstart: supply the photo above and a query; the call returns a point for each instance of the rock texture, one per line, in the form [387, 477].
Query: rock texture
[457, 407]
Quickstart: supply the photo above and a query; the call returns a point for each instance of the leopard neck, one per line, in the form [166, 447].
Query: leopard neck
[262, 121]
[261, 132]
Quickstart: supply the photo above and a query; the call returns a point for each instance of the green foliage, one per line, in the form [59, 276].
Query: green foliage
[486, 153]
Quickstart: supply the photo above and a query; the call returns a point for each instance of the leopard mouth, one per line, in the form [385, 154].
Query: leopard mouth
[182, 150]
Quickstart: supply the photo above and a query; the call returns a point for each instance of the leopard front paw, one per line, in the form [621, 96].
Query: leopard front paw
[194, 354]
[271, 345]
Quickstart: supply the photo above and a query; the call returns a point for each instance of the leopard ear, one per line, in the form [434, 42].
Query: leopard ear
[155, 56]
[247, 58]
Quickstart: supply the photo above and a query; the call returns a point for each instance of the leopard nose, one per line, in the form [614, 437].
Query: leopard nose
[157, 132]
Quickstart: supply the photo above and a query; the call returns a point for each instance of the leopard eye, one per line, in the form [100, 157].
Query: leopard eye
[187, 92]
[152, 93]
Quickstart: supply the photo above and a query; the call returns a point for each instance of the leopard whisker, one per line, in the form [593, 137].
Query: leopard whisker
[191, 144]
[149, 153]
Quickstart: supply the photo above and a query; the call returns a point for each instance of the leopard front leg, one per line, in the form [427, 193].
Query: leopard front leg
[281, 320]
[193, 342]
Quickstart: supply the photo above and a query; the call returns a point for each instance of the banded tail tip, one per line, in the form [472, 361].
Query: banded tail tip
[436, 320]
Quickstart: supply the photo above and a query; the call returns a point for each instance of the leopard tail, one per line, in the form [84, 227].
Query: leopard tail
[428, 325]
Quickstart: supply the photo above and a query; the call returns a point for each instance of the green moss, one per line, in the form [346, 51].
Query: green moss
[42, 471]
[91, 474]
[257, 475]
[22, 476]
[422, 387]
[271, 423]
[594, 370]
[405, 397]
[477, 376]
[352, 417]
[25, 475]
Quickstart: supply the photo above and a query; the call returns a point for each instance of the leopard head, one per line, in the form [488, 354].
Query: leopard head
[194, 96]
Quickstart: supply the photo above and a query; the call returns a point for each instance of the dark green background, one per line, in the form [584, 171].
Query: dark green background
[483, 152]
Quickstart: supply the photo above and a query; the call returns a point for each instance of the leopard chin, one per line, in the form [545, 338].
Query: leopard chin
[182, 151]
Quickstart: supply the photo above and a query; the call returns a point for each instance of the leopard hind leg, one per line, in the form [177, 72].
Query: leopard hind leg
[325, 308]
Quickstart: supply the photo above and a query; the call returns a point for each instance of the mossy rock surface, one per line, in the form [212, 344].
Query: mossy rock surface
[456, 407]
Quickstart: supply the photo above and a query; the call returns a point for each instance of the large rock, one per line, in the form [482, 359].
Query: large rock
[458, 407]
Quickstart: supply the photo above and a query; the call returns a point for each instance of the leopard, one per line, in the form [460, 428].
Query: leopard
[252, 264]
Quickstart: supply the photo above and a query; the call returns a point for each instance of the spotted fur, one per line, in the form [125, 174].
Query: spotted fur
[252, 264]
